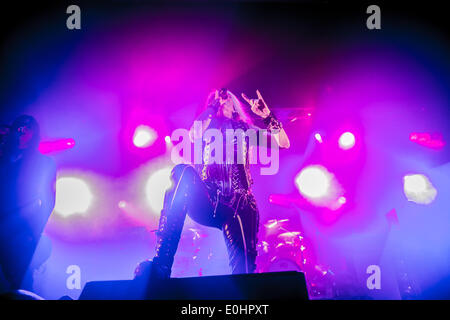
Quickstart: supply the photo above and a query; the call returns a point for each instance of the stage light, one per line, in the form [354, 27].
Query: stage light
[144, 136]
[338, 203]
[432, 141]
[320, 187]
[167, 139]
[346, 140]
[122, 204]
[73, 195]
[419, 189]
[56, 145]
[318, 137]
[314, 181]
[156, 186]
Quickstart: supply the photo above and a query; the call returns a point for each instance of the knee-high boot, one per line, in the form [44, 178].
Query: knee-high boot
[170, 227]
[168, 236]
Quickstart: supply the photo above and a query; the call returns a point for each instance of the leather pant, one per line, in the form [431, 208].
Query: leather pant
[189, 194]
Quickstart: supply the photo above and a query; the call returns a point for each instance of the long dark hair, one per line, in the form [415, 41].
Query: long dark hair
[242, 115]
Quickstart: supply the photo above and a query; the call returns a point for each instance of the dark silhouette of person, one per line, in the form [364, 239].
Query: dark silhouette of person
[27, 198]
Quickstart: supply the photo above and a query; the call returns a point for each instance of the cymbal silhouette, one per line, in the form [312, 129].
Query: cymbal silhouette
[273, 223]
[289, 235]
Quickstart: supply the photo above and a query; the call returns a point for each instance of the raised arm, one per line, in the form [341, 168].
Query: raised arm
[205, 117]
[260, 108]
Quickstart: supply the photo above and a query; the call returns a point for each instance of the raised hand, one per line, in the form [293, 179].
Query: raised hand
[258, 106]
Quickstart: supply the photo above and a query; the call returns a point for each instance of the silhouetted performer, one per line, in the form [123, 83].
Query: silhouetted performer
[215, 194]
[27, 198]
[4, 132]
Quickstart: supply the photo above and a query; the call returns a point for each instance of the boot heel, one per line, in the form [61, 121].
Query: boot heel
[151, 271]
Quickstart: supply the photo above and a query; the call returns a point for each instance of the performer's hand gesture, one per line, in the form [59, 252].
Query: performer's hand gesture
[259, 106]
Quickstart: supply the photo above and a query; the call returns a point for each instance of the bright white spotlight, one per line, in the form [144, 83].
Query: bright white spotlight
[338, 203]
[155, 188]
[418, 189]
[73, 195]
[314, 181]
[318, 137]
[346, 140]
[144, 136]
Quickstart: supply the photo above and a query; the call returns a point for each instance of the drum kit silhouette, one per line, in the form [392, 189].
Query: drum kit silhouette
[280, 249]
[285, 250]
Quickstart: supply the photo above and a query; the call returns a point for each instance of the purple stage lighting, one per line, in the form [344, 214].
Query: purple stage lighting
[429, 140]
[313, 182]
[73, 196]
[418, 189]
[320, 187]
[46, 147]
[144, 136]
[318, 137]
[156, 186]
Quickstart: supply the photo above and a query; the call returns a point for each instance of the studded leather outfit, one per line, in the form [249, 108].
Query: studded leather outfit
[216, 195]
